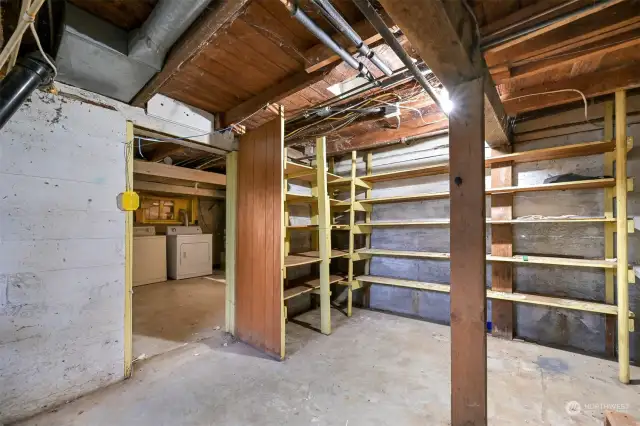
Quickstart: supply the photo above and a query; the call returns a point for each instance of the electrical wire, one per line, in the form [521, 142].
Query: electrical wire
[140, 149]
[44, 55]
[584, 100]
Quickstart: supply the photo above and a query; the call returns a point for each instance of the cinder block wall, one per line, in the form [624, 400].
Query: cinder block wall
[573, 329]
[61, 253]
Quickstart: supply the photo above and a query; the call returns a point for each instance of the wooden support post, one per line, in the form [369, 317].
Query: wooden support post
[622, 237]
[366, 296]
[352, 222]
[128, 258]
[468, 292]
[324, 235]
[230, 242]
[502, 312]
[609, 233]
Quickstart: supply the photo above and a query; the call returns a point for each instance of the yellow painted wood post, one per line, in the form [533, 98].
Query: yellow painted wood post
[352, 222]
[230, 242]
[283, 227]
[622, 237]
[324, 235]
[367, 218]
[128, 258]
[609, 232]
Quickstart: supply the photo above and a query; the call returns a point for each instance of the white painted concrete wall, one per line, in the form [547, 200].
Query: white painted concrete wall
[62, 248]
[583, 331]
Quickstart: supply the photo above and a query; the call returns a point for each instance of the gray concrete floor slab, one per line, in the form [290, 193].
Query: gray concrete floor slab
[173, 313]
[375, 369]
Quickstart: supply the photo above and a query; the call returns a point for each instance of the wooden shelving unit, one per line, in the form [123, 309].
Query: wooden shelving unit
[619, 185]
[321, 253]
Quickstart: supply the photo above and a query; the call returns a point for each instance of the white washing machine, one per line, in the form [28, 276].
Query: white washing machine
[149, 256]
[189, 252]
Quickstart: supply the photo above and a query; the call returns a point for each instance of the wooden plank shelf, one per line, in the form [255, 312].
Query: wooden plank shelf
[306, 285]
[583, 184]
[532, 299]
[302, 227]
[446, 222]
[344, 184]
[299, 171]
[340, 227]
[299, 198]
[576, 150]
[537, 260]
[300, 259]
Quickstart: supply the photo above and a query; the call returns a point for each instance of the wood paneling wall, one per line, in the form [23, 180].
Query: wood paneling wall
[259, 238]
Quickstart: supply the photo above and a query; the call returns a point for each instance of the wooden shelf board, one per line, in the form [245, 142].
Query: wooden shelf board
[332, 177]
[344, 183]
[406, 198]
[583, 184]
[306, 285]
[445, 222]
[538, 260]
[340, 227]
[339, 203]
[302, 227]
[532, 299]
[576, 150]
[299, 171]
[300, 259]
[301, 198]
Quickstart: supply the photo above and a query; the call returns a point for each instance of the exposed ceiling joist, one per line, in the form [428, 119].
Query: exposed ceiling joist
[444, 34]
[593, 84]
[274, 94]
[201, 34]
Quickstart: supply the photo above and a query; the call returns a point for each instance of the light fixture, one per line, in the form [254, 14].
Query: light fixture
[445, 102]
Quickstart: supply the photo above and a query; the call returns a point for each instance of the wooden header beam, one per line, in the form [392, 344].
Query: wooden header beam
[445, 36]
[163, 188]
[176, 172]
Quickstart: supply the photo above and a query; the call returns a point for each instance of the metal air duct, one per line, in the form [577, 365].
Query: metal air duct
[98, 56]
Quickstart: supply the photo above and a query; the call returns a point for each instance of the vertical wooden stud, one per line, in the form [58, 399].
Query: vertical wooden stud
[352, 222]
[622, 237]
[324, 235]
[366, 296]
[468, 280]
[128, 258]
[230, 242]
[502, 311]
[609, 233]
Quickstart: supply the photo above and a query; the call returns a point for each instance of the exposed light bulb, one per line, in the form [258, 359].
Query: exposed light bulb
[445, 102]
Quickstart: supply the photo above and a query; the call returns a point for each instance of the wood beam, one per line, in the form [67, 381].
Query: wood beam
[602, 21]
[274, 94]
[370, 138]
[141, 185]
[592, 84]
[589, 52]
[199, 36]
[467, 235]
[445, 35]
[176, 172]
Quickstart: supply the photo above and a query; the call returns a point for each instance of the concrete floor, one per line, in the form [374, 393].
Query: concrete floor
[171, 314]
[375, 369]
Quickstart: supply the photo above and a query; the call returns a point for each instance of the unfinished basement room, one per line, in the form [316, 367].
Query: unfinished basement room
[319, 212]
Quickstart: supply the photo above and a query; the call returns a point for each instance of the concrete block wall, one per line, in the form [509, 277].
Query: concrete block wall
[573, 329]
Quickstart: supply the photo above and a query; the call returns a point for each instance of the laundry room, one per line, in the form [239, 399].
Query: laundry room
[178, 246]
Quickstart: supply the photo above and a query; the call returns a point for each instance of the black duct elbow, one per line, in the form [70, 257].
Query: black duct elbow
[29, 73]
